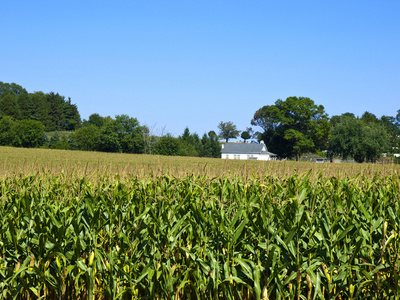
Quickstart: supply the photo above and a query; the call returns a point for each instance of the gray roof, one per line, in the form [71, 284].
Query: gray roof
[244, 148]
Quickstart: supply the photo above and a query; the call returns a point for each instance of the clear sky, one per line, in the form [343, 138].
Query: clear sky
[173, 64]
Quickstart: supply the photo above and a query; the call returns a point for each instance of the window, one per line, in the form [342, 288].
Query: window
[236, 156]
[227, 156]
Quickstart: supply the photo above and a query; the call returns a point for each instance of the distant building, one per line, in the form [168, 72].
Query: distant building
[245, 151]
[320, 160]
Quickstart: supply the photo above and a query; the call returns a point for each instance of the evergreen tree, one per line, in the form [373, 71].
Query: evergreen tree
[24, 102]
[7, 131]
[12, 88]
[188, 144]
[215, 144]
[39, 108]
[71, 116]
[55, 113]
[9, 106]
[207, 147]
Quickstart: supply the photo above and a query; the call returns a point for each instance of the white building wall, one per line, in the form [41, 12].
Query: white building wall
[245, 156]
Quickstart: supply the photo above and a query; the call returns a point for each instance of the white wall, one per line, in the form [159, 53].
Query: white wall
[245, 156]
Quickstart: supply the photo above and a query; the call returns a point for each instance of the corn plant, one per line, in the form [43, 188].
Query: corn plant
[199, 237]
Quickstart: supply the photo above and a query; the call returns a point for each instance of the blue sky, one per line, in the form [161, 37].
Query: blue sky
[173, 64]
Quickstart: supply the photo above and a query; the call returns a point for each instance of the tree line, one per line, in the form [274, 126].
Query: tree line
[297, 125]
[52, 110]
[49, 121]
[289, 128]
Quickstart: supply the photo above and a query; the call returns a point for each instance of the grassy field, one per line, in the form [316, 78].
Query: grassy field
[85, 225]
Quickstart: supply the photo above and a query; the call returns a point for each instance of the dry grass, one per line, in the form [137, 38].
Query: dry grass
[20, 161]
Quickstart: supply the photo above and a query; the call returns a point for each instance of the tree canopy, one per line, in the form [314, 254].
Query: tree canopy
[52, 110]
[227, 130]
[21, 133]
[361, 139]
[293, 126]
[245, 135]
[192, 145]
[289, 128]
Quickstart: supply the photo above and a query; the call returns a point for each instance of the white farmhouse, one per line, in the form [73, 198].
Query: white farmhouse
[246, 151]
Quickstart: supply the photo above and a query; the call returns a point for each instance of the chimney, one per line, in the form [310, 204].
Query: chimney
[262, 142]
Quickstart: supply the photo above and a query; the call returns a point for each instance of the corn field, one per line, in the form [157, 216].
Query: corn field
[45, 162]
[199, 237]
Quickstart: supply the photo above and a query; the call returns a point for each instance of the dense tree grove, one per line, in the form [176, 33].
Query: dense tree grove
[358, 138]
[290, 128]
[48, 120]
[52, 110]
[298, 125]
[21, 133]
[293, 126]
[192, 145]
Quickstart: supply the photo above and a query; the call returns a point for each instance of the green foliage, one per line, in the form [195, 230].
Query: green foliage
[227, 130]
[87, 137]
[300, 141]
[51, 109]
[9, 106]
[55, 119]
[24, 104]
[245, 135]
[11, 88]
[199, 238]
[71, 115]
[392, 128]
[24, 133]
[293, 126]
[192, 145]
[59, 141]
[215, 145]
[28, 134]
[132, 144]
[109, 139]
[122, 134]
[129, 134]
[95, 119]
[38, 107]
[355, 138]
[7, 131]
[166, 145]
[369, 118]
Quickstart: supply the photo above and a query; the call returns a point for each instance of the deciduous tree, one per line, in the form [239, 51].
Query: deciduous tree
[293, 126]
[227, 130]
[29, 134]
[245, 135]
[353, 137]
[87, 137]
